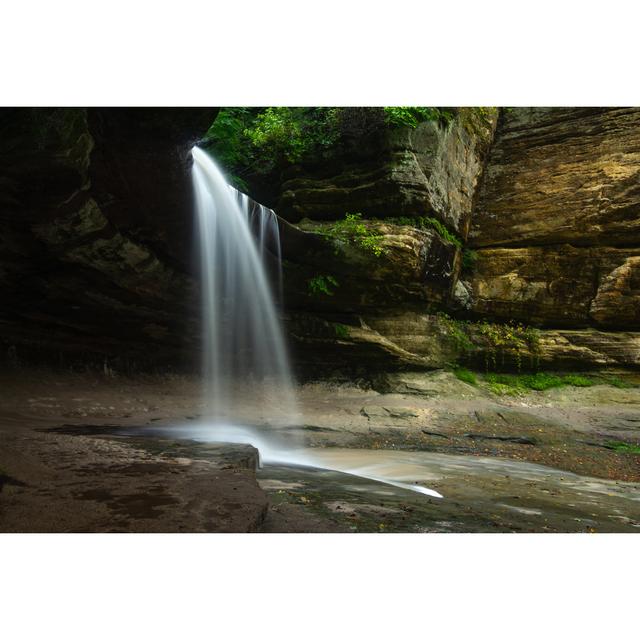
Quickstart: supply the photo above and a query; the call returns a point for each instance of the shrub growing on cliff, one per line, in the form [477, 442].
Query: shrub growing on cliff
[353, 230]
[469, 259]
[511, 338]
[413, 116]
[227, 141]
[256, 140]
[428, 222]
[441, 230]
[322, 285]
[342, 331]
[456, 330]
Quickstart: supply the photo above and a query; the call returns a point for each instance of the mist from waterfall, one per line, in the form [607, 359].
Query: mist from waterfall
[245, 358]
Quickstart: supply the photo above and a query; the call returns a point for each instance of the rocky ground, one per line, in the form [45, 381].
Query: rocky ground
[558, 460]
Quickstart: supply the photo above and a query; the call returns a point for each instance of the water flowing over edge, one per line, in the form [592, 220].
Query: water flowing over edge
[244, 351]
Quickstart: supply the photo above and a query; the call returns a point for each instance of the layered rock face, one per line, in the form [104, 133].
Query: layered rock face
[394, 175]
[554, 232]
[431, 170]
[557, 230]
[562, 176]
[95, 212]
[559, 285]
[557, 223]
[359, 319]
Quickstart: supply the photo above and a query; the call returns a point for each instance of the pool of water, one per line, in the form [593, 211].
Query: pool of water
[390, 490]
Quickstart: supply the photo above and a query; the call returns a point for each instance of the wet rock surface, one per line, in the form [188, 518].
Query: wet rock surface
[480, 495]
[84, 477]
[112, 458]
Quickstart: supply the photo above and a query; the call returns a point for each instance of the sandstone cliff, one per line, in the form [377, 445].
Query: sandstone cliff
[553, 213]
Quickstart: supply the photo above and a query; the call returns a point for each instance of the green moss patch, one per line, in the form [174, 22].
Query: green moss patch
[342, 331]
[465, 375]
[614, 381]
[536, 382]
[623, 447]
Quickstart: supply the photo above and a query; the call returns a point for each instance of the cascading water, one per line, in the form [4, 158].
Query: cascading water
[244, 356]
[245, 361]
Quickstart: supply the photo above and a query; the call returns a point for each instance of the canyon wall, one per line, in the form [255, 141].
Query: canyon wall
[96, 227]
[549, 227]
[499, 239]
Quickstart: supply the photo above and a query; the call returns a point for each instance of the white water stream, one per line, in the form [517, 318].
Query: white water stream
[244, 355]
[245, 361]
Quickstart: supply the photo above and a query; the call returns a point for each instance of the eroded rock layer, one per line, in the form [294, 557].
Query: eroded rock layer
[559, 285]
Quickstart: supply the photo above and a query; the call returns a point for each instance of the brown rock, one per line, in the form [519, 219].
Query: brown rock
[430, 170]
[562, 176]
[561, 286]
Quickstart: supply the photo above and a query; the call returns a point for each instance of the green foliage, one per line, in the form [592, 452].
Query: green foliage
[540, 381]
[227, 141]
[513, 384]
[537, 382]
[456, 330]
[257, 140]
[353, 230]
[288, 134]
[512, 338]
[623, 447]
[465, 375]
[342, 331]
[469, 259]
[405, 221]
[501, 389]
[441, 230]
[413, 116]
[617, 382]
[322, 285]
[578, 381]
[427, 222]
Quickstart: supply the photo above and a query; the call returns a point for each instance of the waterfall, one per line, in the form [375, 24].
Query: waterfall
[247, 378]
[245, 358]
